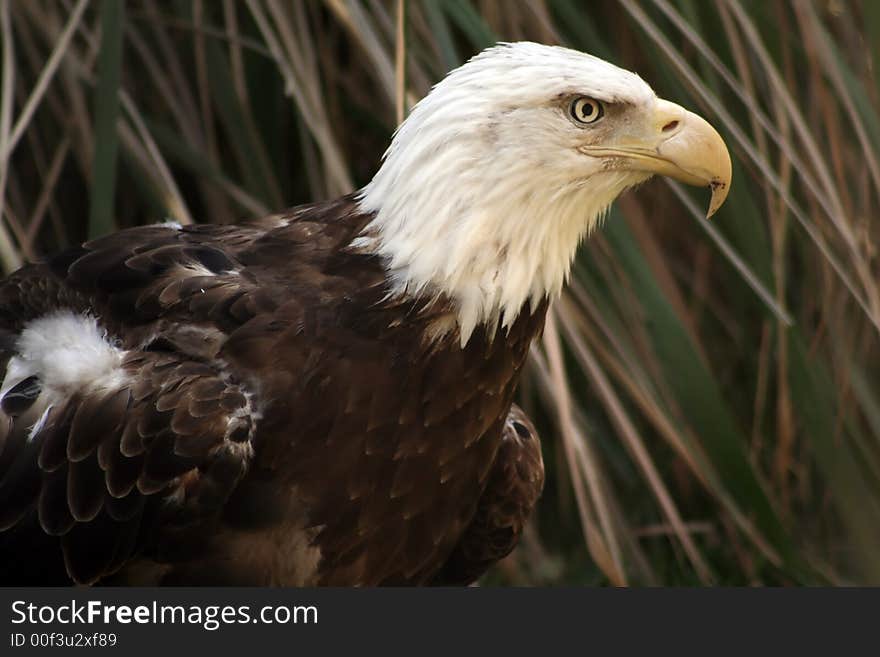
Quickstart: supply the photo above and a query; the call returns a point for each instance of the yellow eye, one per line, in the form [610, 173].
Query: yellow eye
[586, 110]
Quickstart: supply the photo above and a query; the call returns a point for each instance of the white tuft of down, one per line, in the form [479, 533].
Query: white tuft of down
[483, 194]
[68, 352]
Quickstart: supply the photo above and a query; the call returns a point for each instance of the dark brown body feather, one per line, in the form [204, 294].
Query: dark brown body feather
[282, 421]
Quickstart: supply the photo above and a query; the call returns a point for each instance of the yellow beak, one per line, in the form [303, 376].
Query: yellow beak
[678, 144]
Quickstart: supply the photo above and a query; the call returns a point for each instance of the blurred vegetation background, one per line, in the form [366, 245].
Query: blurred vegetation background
[708, 393]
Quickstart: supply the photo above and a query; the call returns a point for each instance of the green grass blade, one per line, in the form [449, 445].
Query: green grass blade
[443, 35]
[103, 190]
[470, 22]
[250, 153]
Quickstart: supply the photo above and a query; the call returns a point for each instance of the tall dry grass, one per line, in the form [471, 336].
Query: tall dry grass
[708, 393]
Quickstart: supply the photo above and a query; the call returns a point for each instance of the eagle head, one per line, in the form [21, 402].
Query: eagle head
[496, 176]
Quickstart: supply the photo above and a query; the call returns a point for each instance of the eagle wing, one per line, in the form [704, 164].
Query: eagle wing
[515, 483]
[159, 441]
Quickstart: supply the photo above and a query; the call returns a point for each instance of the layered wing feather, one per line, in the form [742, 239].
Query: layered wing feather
[99, 465]
[102, 466]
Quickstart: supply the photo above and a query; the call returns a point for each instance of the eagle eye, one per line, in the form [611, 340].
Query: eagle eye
[586, 110]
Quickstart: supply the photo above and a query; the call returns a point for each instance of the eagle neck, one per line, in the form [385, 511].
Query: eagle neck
[494, 247]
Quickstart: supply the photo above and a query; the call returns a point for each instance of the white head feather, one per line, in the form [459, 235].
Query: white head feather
[482, 194]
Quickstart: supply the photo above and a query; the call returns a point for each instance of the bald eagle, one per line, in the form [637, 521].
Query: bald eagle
[324, 396]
